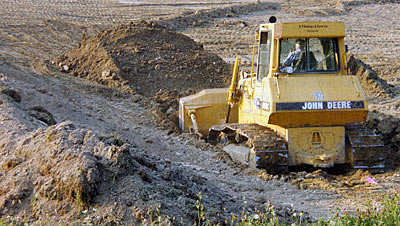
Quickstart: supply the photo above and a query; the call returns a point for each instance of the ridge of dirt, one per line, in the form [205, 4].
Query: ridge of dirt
[371, 82]
[144, 58]
[63, 167]
[76, 175]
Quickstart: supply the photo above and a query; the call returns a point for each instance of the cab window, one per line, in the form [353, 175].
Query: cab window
[308, 55]
[263, 55]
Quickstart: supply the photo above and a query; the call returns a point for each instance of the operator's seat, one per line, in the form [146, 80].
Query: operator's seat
[301, 64]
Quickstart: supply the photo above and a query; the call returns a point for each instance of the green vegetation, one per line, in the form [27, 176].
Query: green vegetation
[386, 212]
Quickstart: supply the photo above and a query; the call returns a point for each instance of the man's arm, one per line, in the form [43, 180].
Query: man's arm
[289, 59]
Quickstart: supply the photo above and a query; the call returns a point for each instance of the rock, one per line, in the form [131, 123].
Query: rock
[396, 139]
[387, 125]
[105, 74]
[114, 77]
[42, 114]
[261, 199]
[11, 93]
[63, 68]
[170, 111]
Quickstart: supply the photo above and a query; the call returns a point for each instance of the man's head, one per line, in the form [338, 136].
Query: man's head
[299, 43]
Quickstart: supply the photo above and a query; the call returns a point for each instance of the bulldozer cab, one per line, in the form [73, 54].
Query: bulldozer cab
[299, 67]
[308, 55]
[299, 48]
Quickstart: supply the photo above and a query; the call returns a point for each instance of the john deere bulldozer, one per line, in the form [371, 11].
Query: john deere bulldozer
[295, 105]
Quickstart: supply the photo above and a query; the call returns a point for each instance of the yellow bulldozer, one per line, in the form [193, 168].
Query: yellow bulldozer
[295, 104]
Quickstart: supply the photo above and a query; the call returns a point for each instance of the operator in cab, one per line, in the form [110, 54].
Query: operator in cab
[294, 55]
[301, 59]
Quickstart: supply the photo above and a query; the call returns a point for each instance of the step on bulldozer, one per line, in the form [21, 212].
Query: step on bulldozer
[295, 105]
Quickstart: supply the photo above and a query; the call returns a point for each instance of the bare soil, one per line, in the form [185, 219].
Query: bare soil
[102, 145]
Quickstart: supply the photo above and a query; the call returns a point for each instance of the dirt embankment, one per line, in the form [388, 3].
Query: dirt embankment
[372, 83]
[145, 58]
[61, 170]
[69, 174]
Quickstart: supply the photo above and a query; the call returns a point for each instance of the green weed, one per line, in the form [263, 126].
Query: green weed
[385, 212]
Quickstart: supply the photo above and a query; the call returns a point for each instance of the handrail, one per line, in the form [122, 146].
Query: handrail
[252, 66]
[278, 95]
[345, 64]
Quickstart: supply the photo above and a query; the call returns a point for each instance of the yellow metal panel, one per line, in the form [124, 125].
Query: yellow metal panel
[333, 88]
[336, 91]
[309, 29]
[317, 146]
[210, 108]
[326, 118]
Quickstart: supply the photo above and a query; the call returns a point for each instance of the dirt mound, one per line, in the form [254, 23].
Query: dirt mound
[351, 3]
[372, 84]
[63, 172]
[53, 164]
[144, 58]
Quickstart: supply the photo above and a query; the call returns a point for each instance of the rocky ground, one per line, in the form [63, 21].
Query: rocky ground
[88, 105]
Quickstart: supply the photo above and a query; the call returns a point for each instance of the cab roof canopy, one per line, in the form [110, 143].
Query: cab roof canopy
[307, 29]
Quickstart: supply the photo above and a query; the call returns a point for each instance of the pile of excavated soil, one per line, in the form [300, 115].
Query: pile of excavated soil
[145, 58]
[60, 170]
[372, 84]
[63, 172]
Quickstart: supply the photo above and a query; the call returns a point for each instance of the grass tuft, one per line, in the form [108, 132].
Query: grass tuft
[384, 212]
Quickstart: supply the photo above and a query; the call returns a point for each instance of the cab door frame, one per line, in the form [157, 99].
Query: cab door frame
[263, 68]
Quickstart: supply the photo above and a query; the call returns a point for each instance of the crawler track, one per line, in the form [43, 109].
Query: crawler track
[267, 149]
[365, 148]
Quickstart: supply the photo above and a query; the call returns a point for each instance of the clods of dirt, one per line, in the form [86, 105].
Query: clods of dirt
[389, 127]
[61, 170]
[145, 58]
[372, 84]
